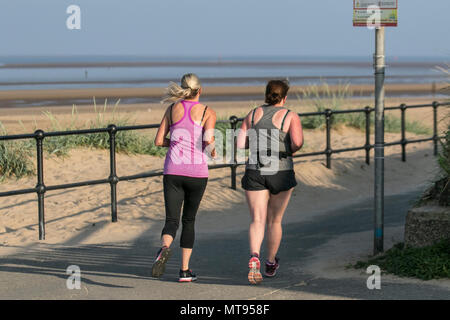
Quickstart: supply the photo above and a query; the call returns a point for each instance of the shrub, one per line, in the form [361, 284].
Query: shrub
[431, 262]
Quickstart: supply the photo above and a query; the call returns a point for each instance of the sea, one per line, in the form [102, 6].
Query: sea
[75, 72]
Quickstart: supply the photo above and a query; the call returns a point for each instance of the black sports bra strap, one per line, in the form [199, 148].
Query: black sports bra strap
[284, 118]
[204, 112]
[253, 117]
[170, 114]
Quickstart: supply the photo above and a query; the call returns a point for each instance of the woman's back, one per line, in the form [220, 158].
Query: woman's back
[271, 140]
[279, 115]
[185, 156]
[197, 112]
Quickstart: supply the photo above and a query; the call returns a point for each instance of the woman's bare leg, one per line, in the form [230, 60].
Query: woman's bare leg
[275, 211]
[257, 203]
[185, 257]
[167, 240]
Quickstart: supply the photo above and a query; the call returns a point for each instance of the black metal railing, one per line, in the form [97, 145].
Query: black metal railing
[112, 130]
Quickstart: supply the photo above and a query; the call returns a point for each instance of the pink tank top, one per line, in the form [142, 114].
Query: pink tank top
[185, 156]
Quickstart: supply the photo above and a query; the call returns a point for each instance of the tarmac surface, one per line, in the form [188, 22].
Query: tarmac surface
[220, 257]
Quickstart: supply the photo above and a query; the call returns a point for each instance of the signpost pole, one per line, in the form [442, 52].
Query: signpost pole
[379, 66]
[385, 14]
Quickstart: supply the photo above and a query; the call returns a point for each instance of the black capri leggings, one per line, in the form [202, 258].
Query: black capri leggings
[176, 190]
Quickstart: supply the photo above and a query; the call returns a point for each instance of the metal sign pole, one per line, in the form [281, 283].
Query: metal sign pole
[379, 65]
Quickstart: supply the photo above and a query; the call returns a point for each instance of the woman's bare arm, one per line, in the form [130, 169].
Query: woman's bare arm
[161, 139]
[296, 132]
[242, 139]
[209, 126]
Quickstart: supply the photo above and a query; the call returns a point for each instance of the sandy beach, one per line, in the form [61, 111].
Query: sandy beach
[213, 92]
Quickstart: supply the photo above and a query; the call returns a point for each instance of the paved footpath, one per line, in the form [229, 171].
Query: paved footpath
[122, 270]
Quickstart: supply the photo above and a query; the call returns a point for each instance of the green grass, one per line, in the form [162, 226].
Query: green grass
[323, 97]
[15, 156]
[392, 124]
[431, 262]
[130, 142]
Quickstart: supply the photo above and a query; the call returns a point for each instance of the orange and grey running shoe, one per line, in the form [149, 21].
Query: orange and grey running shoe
[254, 273]
[159, 266]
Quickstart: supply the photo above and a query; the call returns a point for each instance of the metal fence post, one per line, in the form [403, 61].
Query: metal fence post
[435, 128]
[403, 124]
[328, 150]
[367, 146]
[40, 187]
[113, 179]
[233, 121]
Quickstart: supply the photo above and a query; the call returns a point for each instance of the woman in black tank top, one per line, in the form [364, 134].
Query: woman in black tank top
[273, 134]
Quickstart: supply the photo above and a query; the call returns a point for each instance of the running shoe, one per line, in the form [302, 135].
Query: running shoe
[271, 268]
[159, 266]
[254, 273]
[187, 276]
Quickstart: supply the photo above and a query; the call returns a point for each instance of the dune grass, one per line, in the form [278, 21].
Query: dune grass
[323, 97]
[130, 142]
[15, 156]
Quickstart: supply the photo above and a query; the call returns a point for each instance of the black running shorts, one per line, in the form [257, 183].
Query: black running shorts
[253, 180]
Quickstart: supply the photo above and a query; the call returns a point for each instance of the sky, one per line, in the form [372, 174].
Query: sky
[198, 28]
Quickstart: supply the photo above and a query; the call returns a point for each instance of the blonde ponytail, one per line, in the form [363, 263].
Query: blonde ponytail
[190, 87]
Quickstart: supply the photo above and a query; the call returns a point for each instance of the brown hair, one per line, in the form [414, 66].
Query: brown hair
[276, 91]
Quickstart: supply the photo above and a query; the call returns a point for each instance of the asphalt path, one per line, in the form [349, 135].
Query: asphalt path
[123, 270]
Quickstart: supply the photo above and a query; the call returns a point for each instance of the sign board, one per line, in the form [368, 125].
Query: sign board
[375, 13]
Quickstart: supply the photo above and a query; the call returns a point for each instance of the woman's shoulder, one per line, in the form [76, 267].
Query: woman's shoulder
[204, 106]
[256, 109]
[209, 112]
[292, 119]
[289, 115]
[173, 104]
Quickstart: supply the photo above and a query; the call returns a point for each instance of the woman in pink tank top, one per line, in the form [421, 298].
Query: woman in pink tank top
[191, 126]
[185, 156]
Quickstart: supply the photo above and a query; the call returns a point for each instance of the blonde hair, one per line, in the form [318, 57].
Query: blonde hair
[190, 87]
